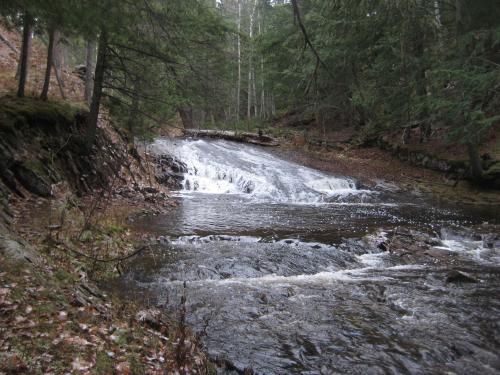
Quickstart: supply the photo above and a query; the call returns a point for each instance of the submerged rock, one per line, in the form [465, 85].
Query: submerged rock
[455, 277]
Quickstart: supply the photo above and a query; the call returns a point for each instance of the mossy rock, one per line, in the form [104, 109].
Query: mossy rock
[16, 112]
[493, 172]
[456, 164]
[32, 180]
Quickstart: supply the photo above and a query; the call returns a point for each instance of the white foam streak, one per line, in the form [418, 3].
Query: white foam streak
[321, 278]
[214, 238]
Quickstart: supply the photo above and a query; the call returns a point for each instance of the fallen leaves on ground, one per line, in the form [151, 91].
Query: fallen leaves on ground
[42, 332]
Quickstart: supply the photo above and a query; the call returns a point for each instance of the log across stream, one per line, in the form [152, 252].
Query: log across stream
[246, 137]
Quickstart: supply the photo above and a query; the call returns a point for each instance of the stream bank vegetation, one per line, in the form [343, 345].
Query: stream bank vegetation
[64, 231]
[82, 80]
[70, 176]
[413, 77]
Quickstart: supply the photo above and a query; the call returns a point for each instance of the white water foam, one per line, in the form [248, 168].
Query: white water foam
[326, 277]
[473, 249]
[466, 245]
[214, 238]
[221, 167]
[372, 259]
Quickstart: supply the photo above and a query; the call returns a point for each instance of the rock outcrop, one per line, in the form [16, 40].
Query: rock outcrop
[169, 171]
[43, 143]
[456, 169]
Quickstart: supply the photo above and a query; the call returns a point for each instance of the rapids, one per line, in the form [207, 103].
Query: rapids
[288, 270]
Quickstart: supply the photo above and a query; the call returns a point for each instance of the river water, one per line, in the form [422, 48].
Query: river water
[288, 270]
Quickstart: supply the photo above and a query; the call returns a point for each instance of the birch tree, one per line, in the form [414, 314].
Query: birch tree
[251, 82]
[238, 84]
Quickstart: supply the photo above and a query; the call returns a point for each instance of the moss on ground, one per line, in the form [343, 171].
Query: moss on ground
[493, 171]
[16, 112]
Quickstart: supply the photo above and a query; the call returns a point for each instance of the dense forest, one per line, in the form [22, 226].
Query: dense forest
[249, 186]
[375, 66]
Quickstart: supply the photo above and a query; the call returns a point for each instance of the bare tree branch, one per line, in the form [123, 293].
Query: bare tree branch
[307, 40]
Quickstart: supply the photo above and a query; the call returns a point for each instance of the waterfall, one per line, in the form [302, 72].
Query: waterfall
[222, 167]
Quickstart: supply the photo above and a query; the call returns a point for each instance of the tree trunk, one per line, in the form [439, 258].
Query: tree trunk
[437, 14]
[98, 85]
[30, 38]
[421, 78]
[59, 59]
[9, 44]
[50, 53]
[89, 51]
[23, 62]
[238, 85]
[186, 117]
[60, 82]
[254, 138]
[134, 110]
[461, 17]
[262, 86]
[475, 160]
[250, 63]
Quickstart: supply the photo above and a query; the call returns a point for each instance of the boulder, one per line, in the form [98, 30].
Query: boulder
[492, 174]
[456, 277]
[169, 171]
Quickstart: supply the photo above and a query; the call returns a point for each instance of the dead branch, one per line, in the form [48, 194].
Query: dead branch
[307, 40]
[9, 44]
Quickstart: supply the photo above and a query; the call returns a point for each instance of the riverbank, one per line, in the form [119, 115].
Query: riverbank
[55, 317]
[372, 166]
[375, 165]
[63, 232]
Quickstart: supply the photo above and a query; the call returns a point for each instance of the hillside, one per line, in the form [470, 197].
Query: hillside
[63, 217]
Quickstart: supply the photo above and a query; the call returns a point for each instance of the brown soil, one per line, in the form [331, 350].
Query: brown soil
[73, 85]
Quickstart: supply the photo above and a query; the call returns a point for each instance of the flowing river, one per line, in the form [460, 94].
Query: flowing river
[288, 270]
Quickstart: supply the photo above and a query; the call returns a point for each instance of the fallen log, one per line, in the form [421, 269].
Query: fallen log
[253, 138]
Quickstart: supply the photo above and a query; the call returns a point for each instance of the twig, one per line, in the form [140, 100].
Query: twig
[9, 44]
[307, 41]
[13, 328]
[110, 260]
